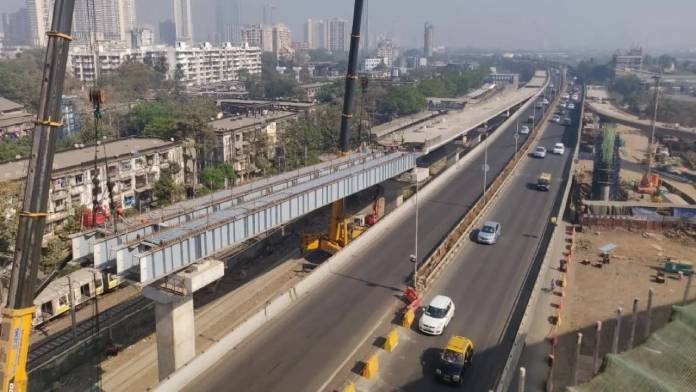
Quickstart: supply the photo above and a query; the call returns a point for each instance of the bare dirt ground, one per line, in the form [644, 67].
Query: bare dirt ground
[594, 294]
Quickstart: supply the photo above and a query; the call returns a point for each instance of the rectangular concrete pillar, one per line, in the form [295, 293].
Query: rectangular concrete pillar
[175, 329]
[176, 335]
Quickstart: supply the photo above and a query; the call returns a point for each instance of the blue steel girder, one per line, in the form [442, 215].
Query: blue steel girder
[104, 249]
[179, 247]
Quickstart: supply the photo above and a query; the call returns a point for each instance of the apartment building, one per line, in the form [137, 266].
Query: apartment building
[200, 65]
[133, 165]
[15, 121]
[242, 139]
[337, 35]
[282, 40]
[258, 35]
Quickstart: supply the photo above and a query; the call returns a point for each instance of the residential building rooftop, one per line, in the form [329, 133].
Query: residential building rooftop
[15, 170]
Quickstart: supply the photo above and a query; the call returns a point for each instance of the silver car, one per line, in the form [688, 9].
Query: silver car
[489, 233]
[539, 152]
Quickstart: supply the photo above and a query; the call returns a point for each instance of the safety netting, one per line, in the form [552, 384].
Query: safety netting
[665, 362]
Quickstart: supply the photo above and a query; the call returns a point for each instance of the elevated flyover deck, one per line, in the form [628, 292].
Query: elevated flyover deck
[301, 349]
[160, 253]
[599, 102]
[429, 135]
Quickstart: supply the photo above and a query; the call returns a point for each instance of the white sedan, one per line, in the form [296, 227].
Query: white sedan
[437, 315]
[539, 152]
[524, 130]
[558, 149]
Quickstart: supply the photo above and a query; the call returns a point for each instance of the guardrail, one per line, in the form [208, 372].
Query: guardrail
[525, 308]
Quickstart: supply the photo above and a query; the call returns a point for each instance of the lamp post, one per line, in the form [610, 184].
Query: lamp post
[485, 166]
[414, 256]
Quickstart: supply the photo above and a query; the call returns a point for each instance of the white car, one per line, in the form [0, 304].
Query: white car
[545, 101]
[565, 97]
[563, 104]
[571, 106]
[489, 233]
[556, 118]
[524, 130]
[539, 152]
[437, 315]
[558, 149]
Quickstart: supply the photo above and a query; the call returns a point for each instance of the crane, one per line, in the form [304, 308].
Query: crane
[18, 311]
[341, 229]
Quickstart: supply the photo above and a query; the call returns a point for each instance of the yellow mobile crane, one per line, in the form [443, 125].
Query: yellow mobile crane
[341, 229]
[18, 311]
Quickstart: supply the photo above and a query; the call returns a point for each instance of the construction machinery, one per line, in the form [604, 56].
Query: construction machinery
[650, 183]
[343, 228]
[19, 309]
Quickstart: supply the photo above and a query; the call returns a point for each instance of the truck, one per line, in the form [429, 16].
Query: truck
[544, 182]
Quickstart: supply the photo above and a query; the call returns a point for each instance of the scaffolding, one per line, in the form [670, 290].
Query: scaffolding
[606, 183]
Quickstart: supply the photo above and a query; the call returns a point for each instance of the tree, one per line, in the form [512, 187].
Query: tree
[13, 148]
[166, 190]
[402, 100]
[215, 178]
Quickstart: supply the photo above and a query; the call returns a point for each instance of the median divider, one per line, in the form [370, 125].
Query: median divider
[430, 269]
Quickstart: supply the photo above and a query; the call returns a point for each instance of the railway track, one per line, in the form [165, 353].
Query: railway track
[51, 347]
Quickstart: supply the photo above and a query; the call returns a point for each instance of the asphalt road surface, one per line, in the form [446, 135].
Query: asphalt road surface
[300, 350]
[484, 281]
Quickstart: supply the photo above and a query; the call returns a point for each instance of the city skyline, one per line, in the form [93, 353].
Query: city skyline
[522, 26]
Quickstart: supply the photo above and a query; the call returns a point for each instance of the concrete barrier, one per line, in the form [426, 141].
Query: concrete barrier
[392, 340]
[409, 316]
[371, 367]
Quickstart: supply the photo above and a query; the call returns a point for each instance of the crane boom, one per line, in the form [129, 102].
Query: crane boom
[17, 314]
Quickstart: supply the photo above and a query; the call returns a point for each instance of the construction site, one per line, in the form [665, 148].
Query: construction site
[628, 265]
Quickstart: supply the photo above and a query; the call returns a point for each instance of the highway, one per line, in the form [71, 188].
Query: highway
[300, 350]
[484, 281]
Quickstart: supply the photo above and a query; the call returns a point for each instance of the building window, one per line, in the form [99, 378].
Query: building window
[79, 179]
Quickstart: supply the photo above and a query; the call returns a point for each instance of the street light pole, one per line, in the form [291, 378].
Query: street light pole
[517, 135]
[485, 167]
[414, 257]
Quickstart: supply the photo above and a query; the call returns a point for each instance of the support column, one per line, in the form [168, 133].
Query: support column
[634, 321]
[648, 320]
[617, 332]
[176, 335]
[576, 361]
[595, 352]
[176, 332]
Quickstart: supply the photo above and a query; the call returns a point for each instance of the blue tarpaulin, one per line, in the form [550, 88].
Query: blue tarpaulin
[689, 213]
[642, 211]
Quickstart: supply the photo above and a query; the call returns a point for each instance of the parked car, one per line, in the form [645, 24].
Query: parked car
[489, 233]
[524, 130]
[455, 359]
[539, 152]
[437, 315]
[571, 106]
[558, 149]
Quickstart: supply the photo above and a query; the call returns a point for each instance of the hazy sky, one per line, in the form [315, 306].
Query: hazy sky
[544, 24]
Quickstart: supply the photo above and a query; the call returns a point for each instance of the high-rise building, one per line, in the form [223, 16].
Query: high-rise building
[337, 35]
[385, 50]
[108, 20]
[309, 33]
[428, 40]
[141, 37]
[167, 33]
[227, 28]
[39, 14]
[15, 27]
[183, 20]
[315, 34]
[269, 14]
[258, 35]
[282, 41]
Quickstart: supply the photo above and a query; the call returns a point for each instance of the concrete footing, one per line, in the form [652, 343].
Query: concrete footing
[176, 333]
